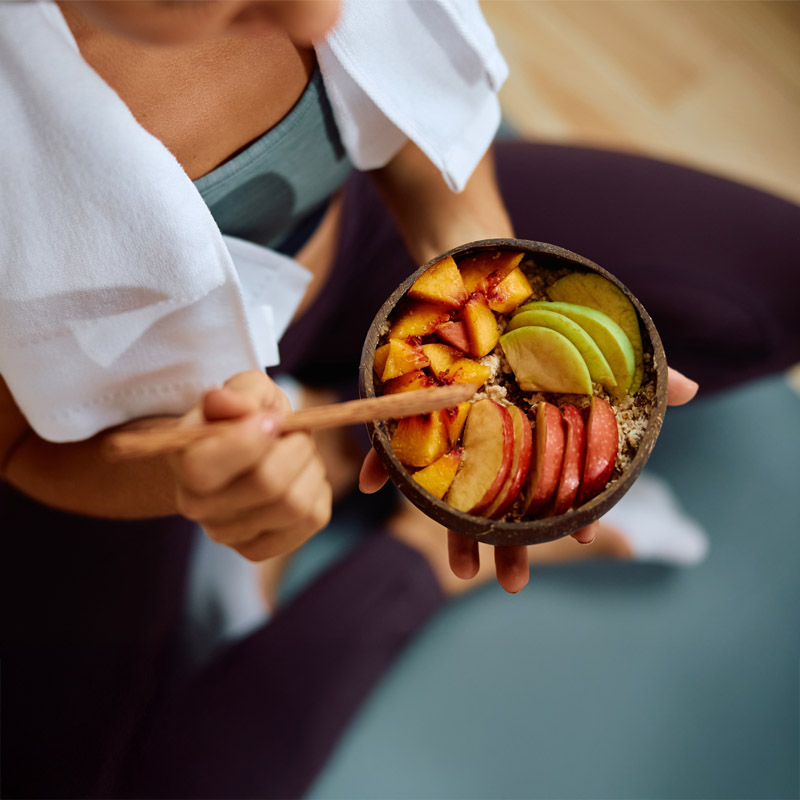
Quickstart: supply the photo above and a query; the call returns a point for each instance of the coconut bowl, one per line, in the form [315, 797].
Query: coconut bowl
[526, 531]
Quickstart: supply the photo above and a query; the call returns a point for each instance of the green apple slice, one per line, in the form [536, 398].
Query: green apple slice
[544, 360]
[599, 368]
[595, 291]
[608, 336]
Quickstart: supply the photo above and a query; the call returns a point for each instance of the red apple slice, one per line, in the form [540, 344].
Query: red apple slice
[602, 442]
[488, 450]
[520, 462]
[548, 455]
[574, 455]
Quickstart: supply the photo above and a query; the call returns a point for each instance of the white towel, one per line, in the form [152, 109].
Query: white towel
[119, 297]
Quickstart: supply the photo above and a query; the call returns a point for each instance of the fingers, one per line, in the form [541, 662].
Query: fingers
[244, 393]
[586, 535]
[511, 565]
[373, 476]
[463, 555]
[680, 389]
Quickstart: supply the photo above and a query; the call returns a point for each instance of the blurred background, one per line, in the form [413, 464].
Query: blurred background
[629, 680]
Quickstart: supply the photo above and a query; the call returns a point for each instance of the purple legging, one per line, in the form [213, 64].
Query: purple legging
[91, 703]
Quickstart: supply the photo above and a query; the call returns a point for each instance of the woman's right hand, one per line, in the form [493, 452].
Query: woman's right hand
[251, 488]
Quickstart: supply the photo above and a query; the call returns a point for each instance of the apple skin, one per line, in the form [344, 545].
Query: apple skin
[546, 459]
[488, 451]
[574, 454]
[520, 463]
[602, 444]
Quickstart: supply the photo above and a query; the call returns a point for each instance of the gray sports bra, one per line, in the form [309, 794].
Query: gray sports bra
[275, 191]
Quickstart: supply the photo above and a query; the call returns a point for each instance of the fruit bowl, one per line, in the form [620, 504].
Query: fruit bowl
[566, 421]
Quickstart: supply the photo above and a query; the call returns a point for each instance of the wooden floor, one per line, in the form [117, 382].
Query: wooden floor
[714, 85]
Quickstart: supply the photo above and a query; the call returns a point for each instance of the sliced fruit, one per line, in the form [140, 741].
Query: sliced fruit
[608, 336]
[437, 477]
[397, 357]
[544, 360]
[440, 283]
[510, 292]
[520, 462]
[421, 439]
[408, 382]
[574, 455]
[602, 443]
[455, 334]
[596, 363]
[481, 325]
[418, 319]
[488, 449]
[484, 270]
[595, 291]
[547, 458]
[454, 419]
[466, 370]
[441, 358]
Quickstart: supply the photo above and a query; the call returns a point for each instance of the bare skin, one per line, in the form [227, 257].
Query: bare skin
[183, 69]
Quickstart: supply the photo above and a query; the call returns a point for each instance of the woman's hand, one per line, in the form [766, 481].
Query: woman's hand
[250, 488]
[511, 563]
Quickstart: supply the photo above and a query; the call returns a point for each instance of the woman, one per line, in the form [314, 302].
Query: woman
[207, 80]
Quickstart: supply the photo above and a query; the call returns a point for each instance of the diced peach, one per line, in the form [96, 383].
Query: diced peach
[437, 477]
[441, 283]
[465, 370]
[481, 326]
[481, 272]
[455, 419]
[421, 439]
[441, 358]
[418, 319]
[409, 382]
[397, 357]
[510, 292]
[455, 334]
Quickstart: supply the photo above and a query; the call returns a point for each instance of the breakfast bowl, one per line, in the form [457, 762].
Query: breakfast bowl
[571, 389]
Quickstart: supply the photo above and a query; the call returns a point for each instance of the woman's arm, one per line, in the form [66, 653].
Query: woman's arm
[430, 216]
[249, 487]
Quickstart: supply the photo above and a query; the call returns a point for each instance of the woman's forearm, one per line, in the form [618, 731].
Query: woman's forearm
[431, 217]
[77, 476]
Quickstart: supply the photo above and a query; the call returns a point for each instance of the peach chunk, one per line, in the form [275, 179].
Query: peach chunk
[513, 290]
[481, 326]
[397, 357]
[483, 271]
[454, 333]
[449, 366]
[418, 319]
[409, 382]
[421, 439]
[441, 358]
[455, 419]
[437, 477]
[441, 283]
